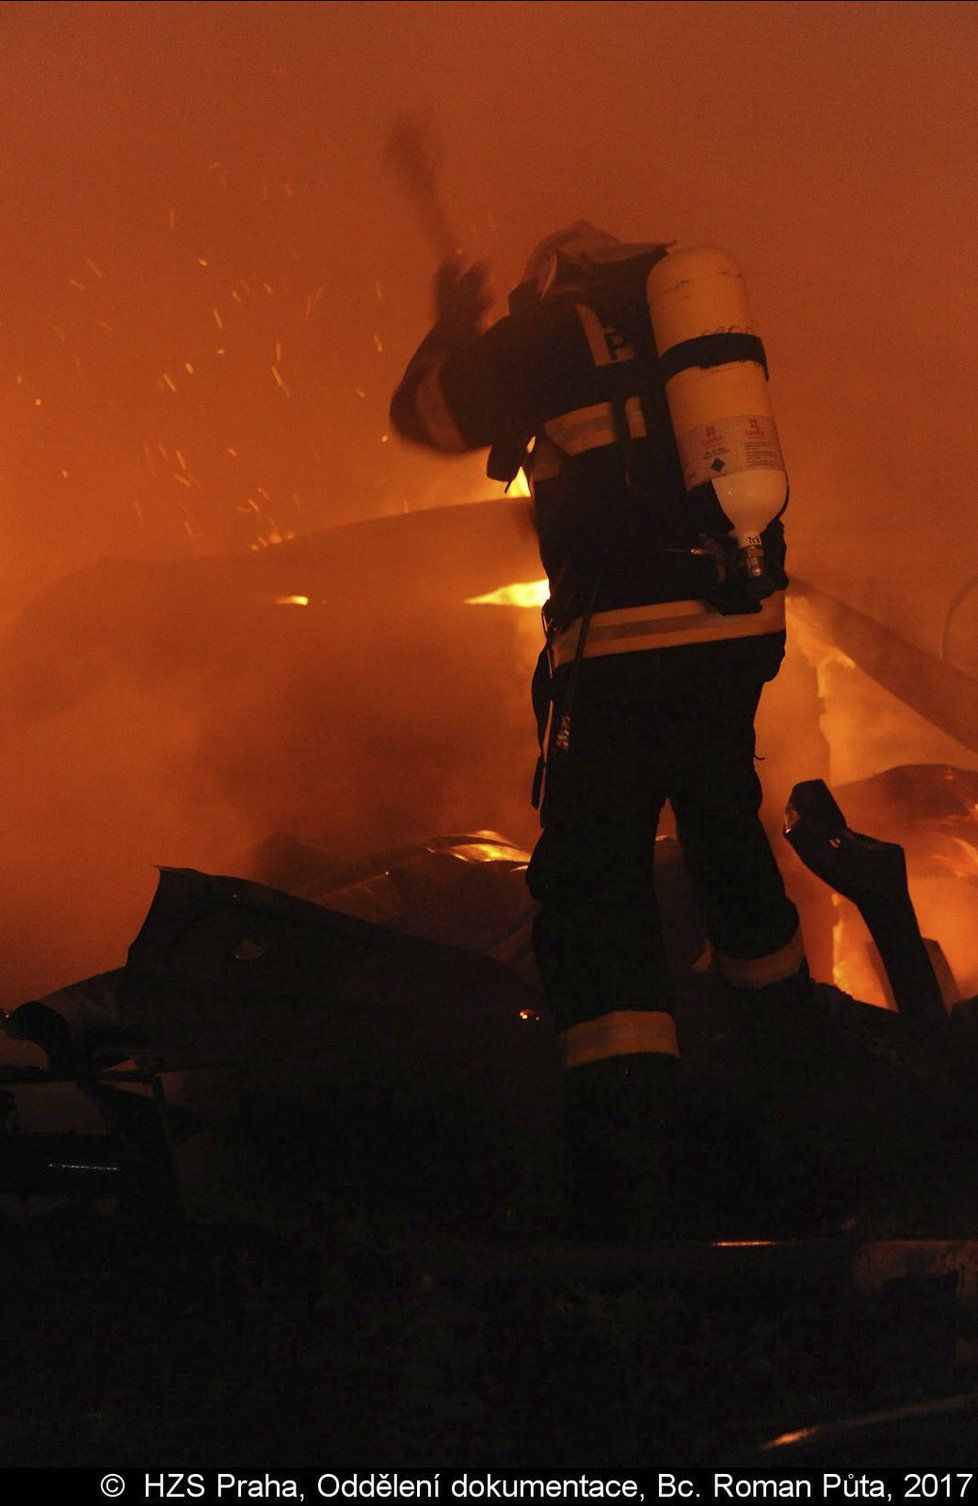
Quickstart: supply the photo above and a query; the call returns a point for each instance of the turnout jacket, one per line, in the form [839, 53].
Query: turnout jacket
[566, 385]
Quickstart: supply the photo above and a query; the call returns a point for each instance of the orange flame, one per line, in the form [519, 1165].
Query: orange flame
[520, 593]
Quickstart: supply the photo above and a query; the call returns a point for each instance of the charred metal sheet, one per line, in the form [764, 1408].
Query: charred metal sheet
[79, 1026]
[466, 890]
[934, 689]
[880, 1263]
[873, 875]
[423, 1050]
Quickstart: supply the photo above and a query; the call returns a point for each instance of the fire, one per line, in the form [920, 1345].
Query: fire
[961, 858]
[489, 848]
[520, 593]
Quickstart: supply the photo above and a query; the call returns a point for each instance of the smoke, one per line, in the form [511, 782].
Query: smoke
[338, 689]
[209, 294]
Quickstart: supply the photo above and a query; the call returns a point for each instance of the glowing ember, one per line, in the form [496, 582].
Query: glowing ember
[290, 601]
[794, 1437]
[521, 593]
[743, 1244]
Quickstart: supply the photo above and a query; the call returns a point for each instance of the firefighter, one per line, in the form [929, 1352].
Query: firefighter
[647, 688]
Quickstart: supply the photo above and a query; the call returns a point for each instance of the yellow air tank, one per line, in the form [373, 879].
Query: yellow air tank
[720, 411]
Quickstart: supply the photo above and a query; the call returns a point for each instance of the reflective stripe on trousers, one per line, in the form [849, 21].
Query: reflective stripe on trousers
[760, 972]
[621, 1032]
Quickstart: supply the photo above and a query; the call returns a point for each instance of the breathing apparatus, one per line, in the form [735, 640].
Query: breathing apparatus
[714, 370]
[715, 374]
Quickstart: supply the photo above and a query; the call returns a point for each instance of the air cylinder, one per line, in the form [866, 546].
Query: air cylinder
[717, 393]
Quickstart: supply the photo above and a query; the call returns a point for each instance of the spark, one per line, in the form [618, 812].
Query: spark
[202, 261]
[169, 382]
[290, 601]
[76, 284]
[278, 377]
[217, 318]
[272, 537]
[188, 368]
[312, 300]
[97, 270]
[378, 345]
[359, 392]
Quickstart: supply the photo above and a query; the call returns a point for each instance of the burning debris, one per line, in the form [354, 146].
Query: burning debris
[403, 1067]
[347, 1020]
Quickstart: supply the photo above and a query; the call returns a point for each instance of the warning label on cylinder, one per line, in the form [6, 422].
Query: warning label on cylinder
[727, 446]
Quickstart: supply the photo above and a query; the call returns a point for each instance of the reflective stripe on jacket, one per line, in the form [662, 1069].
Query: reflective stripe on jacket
[668, 624]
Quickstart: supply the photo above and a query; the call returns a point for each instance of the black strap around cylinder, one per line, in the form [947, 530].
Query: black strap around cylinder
[712, 350]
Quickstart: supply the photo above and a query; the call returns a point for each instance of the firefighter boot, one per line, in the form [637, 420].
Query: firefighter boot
[617, 1110]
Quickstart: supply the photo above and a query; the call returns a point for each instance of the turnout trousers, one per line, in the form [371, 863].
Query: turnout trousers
[648, 726]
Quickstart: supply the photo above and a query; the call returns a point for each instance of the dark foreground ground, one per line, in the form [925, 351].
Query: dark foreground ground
[385, 1345]
[371, 1276]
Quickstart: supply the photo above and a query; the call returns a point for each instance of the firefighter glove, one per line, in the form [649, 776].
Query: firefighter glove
[461, 295]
